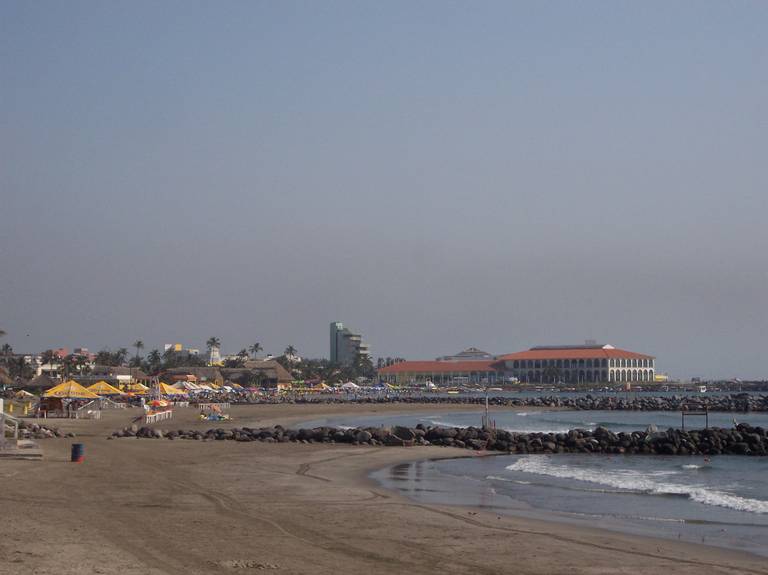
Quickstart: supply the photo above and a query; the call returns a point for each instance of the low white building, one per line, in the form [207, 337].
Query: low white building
[578, 364]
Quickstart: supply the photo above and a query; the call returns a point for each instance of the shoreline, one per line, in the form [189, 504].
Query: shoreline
[173, 507]
[523, 511]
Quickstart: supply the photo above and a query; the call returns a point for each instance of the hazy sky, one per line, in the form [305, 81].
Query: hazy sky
[433, 174]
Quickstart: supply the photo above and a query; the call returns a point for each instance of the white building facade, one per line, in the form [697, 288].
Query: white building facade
[578, 364]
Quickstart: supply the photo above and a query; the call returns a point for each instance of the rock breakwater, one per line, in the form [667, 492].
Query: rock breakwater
[36, 431]
[737, 403]
[741, 440]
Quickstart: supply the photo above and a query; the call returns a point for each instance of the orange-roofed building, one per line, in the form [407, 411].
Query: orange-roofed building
[589, 363]
[557, 364]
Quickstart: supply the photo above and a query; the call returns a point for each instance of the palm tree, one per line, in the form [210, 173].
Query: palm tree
[213, 342]
[290, 351]
[551, 374]
[49, 357]
[243, 353]
[154, 361]
[255, 348]
[139, 345]
[120, 356]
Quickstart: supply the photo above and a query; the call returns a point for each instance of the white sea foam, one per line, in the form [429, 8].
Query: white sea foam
[441, 423]
[638, 482]
[532, 430]
[691, 466]
[518, 481]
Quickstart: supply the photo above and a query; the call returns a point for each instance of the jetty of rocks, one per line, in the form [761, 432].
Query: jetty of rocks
[36, 431]
[737, 402]
[741, 440]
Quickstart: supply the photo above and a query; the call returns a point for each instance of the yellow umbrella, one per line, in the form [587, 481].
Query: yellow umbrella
[103, 388]
[70, 390]
[166, 389]
[136, 389]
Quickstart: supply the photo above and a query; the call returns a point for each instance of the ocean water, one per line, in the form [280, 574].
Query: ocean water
[549, 421]
[720, 501]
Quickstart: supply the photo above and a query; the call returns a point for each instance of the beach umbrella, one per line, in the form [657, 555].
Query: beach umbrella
[158, 403]
[103, 388]
[186, 386]
[166, 389]
[70, 390]
[136, 389]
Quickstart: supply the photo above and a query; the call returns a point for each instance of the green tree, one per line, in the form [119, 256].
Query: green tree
[49, 357]
[213, 342]
[551, 374]
[255, 349]
[17, 367]
[139, 345]
[153, 362]
[290, 352]
[112, 358]
[363, 367]
[72, 364]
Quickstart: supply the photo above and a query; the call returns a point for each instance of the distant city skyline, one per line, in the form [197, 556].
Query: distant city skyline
[437, 175]
[458, 353]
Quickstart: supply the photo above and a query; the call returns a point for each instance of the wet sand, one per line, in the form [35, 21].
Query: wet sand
[184, 507]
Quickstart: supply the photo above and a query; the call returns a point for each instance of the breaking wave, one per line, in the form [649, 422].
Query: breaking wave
[637, 482]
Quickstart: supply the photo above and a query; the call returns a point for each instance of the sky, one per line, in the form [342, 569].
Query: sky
[434, 174]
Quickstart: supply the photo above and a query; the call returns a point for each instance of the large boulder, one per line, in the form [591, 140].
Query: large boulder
[403, 432]
[363, 436]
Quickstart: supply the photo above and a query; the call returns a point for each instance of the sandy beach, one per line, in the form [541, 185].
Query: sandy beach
[182, 507]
